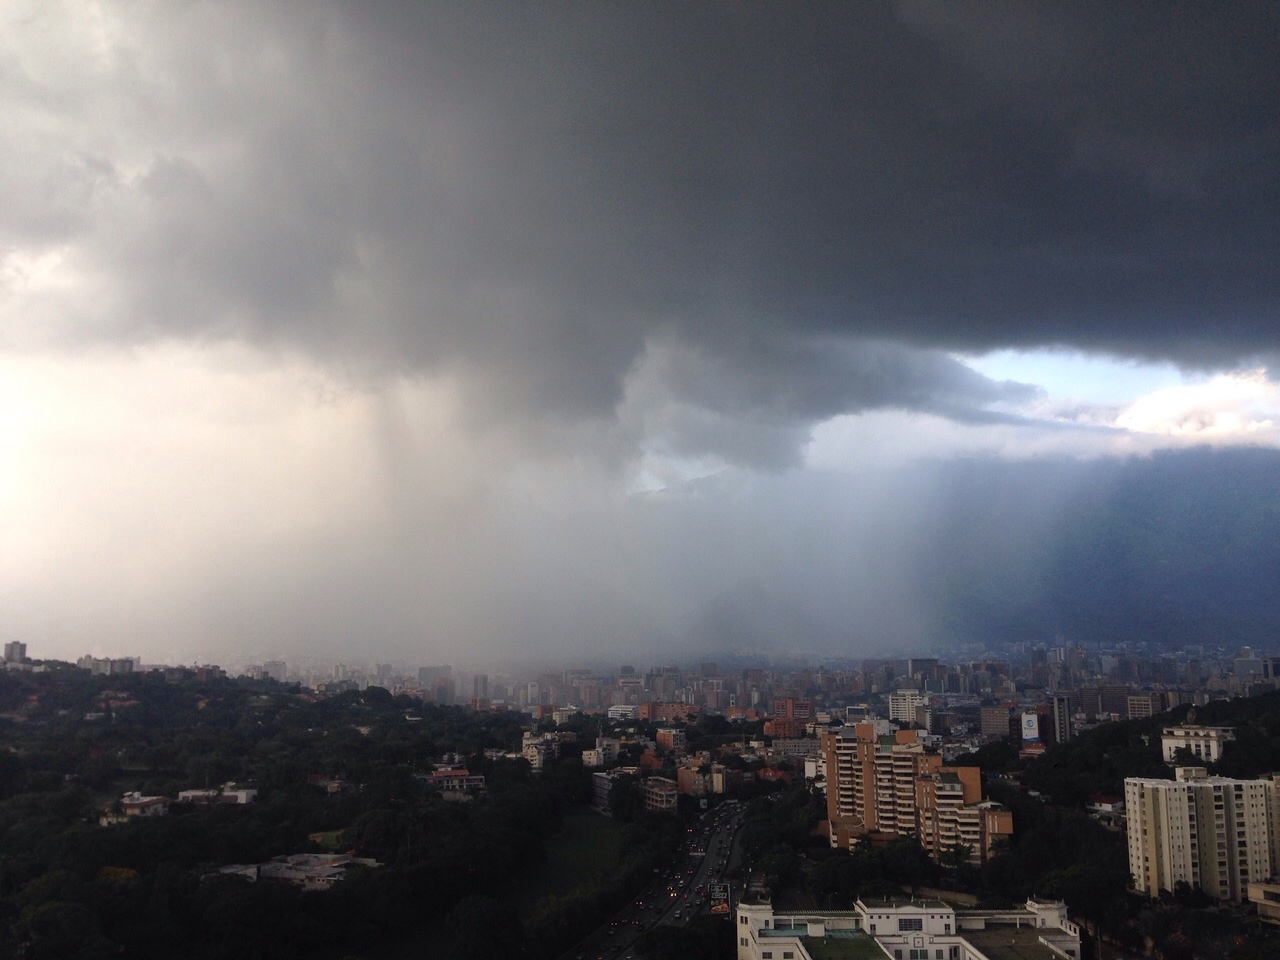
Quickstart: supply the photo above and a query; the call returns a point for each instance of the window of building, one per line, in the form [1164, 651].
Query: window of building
[788, 955]
[742, 942]
[767, 955]
[742, 919]
[910, 923]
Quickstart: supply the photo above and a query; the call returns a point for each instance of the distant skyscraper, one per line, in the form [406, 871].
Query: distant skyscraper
[1063, 709]
[276, 670]
[429, 675]
[15, 652]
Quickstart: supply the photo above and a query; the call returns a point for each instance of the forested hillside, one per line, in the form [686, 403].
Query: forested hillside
[71, 743]
[1175, 548]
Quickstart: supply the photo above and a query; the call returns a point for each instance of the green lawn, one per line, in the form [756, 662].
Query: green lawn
[584, 851]
[327, 839]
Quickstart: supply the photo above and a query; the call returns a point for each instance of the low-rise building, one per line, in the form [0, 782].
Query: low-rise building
[227, 793]
[311, 871]
[659, 793]
[1265, 895]
[537, 748]
[906, 930]
[134, 804]
[602, 783]
[672, 740]
[454, 781]
[1204, 743]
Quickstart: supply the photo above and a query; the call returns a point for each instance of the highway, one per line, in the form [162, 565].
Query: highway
[676, 893]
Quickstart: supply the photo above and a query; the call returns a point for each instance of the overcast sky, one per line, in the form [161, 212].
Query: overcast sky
[462, 330]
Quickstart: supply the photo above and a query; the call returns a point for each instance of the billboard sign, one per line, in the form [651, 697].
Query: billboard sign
[719, 896]
[1030, 727]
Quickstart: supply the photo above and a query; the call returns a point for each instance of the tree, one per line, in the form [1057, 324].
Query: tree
[837, 881]
[624, 798]
[705, 938]
[485, 928]
[957, 856]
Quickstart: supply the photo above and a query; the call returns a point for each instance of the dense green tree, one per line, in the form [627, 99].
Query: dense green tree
[704, 938]
[624, 798]
[485, 928]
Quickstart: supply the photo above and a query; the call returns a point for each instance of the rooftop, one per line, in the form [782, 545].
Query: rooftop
[843, 945]
[1010, 943]
[898, 904]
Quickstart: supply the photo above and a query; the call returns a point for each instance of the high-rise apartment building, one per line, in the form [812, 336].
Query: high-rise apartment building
[1064, 708]
[950, 814]
[903, 703]
[993, 719]
[890, 785]
[1214, 833]
[1143, 705]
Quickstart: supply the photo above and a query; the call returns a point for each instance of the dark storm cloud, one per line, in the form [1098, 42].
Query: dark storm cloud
[982, 177]
[754, 404]
[808, 200]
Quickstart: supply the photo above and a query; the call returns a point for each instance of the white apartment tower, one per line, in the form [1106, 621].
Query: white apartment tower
[1210, 832]
[903, 703]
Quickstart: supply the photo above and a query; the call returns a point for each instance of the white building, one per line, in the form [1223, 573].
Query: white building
[106, 666]
[311, 871]
[903, 703]
[906, 930]
[134, 804]
[1265, 895]
[277, 670]
[227, 793]
[1214, 833]
[537, 748]
[1204, 743]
